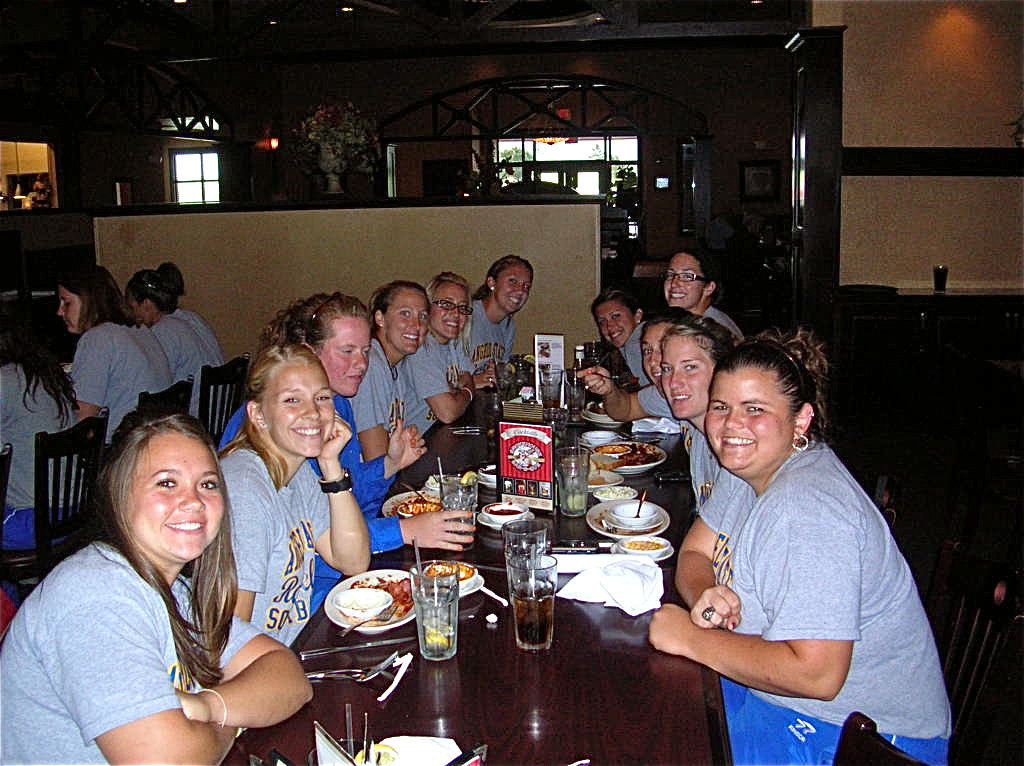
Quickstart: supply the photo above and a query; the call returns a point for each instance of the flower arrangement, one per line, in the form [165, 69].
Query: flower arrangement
[336, 139]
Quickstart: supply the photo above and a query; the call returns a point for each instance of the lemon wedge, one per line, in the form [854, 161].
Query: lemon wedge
[385, 755]
[469, 477]
[436, 639]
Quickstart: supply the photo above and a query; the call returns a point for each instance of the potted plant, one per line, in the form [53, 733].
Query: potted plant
[335, 140]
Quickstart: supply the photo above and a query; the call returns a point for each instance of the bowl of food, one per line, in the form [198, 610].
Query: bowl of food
[599, 436]
[503, 513]
[620, 492]
[652, 547]
[358, 604]
[629, 513]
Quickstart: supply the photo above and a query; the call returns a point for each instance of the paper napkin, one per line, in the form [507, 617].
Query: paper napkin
[634, 585]
[571, 563]
[423, 751]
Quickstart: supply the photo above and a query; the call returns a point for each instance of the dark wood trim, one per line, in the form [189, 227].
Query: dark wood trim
[929, 161]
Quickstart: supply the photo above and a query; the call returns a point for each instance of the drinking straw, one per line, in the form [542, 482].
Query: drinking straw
[416, 549]
[440, 471]
[348, 724]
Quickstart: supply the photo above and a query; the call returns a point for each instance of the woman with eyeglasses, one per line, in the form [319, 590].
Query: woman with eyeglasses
[504, 292]
[127, 652]
[800, 599]
[692, 283]
[440, 369]
[114, 360]
[398, 311]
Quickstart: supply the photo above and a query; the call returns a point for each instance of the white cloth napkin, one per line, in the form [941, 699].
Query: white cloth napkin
[633, 585]
[571, 563]
[656, 425]
[423, 751]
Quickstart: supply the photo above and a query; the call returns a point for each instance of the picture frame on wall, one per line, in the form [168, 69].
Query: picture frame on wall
[760, 180]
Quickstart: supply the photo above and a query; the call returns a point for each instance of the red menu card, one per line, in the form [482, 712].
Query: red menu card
[526, 465]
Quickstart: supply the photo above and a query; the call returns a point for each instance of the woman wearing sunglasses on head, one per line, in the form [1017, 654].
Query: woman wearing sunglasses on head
[127, 651]
[817, 611]
[282, 515]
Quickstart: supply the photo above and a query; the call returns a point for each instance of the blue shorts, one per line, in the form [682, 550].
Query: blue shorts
[19, 529]
[763, 733]
[325, 577]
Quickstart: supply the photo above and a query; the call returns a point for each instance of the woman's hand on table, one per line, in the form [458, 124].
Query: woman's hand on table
[405, 447]
[438, 529]
[597, 380]
[717, 607]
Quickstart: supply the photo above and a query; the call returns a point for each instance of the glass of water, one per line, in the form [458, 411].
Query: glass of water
[435, 596]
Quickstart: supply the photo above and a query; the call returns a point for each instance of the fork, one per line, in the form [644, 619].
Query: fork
[359, 675]
[383, 615]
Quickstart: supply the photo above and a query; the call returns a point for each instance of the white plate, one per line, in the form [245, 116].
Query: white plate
[599, 418]
[633, 470]
[661, 555]
[489, 521]
[334, 614]
[488, 476]
[596, 521]
[610, 479]
[389, 505]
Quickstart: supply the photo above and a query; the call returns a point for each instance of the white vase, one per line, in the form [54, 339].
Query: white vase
[332, 166]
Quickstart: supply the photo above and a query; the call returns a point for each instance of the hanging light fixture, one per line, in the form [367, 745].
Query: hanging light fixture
[563, 114]
[17, 169]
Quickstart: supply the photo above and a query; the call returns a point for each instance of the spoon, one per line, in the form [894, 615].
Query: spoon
[639, 505]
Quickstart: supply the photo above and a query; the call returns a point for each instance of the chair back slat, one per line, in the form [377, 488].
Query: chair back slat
[861, 744]
[6, 455]
[972, 604]
[221, 392]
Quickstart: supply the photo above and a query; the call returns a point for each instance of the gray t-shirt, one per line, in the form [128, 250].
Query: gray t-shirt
[723, 319]
[113, 364]
[378, 402]
[274, 533]
[21, 418]
[632, 354]
[661, 418]
[184, 349]
[488, 340]
[433, 370]
[815, 560]
[90, 650]
[208, 339]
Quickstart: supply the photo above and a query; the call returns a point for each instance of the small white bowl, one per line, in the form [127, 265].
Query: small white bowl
[624, 514]
[619, 492]
[488, 475]
[600, 437]
[503, 513]
[652, 547]
[362, 603]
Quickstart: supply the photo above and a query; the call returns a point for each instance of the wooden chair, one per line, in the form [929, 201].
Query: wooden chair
[972, 605]
[860, 744]
[5, 472]
[175, 398]
[886, 497]
[67, 464]
[221, 392]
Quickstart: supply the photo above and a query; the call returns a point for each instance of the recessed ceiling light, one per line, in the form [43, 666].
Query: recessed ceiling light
[180, 2]
[272, 22]
[346, 8]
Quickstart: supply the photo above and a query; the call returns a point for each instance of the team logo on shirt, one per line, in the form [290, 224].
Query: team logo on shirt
[704, 492]
[291, 604]
[396, 412]
[485, 352]
[721, 560]
[180, 678]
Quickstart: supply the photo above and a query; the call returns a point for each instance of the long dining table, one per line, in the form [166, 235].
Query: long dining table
[600, 693]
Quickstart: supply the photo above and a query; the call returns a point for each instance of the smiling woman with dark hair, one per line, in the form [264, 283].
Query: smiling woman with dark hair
[817, 609]
[117, 656]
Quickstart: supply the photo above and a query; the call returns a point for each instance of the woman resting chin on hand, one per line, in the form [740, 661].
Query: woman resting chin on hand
[116, 657]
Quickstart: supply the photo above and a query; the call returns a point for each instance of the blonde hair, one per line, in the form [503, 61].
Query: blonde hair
[251, 436]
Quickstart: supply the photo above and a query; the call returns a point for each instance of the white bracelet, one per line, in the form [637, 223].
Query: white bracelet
[223, 720]
[469, 391]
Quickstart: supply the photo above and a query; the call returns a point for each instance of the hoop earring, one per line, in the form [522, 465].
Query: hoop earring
[801, 442]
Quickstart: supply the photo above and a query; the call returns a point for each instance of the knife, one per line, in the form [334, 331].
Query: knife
[310, 653]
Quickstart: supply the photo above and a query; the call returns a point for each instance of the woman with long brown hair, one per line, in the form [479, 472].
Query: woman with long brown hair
[127, 651]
